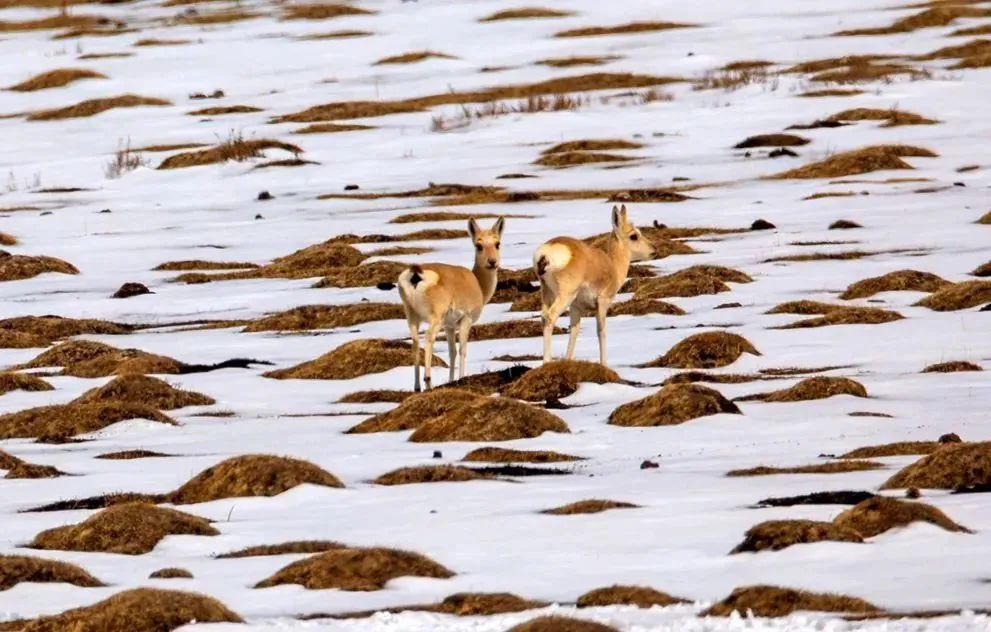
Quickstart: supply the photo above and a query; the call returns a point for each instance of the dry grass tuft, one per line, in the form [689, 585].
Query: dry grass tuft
[20, 267]
[901, 448]
[46, 329]
[952, 367]
[429, 474]
[588, 507]
[983, 270]
[330, 128]
[446, 216]
[640, 307]
[558, 379]
[375, 397]
[357, 569]
[687, 377]
[622, 29]
[105, 56]
[15, 569]
[60, 21]
[33, 470]
[309, 317]
[879, 514]
[557, 623]
[126, 455]
[56, 79]
[509, 329]
[847, 316]
[575, 158]
[54, 423]
[577, 60]
[492, 454]
[251, 475]
[85, 358]
[92, 107]
[931, 17]
[639, 596]
[898, 281]
[590, 145]
[772, 140]
[416, 410]
[832, 467]
[892, 117]
[161, 42]
[772, 601]
[692, 281]
[956, 296]
[341, 34]
[526, 13]
[985, 219]
[952, 466]
[200, 264]
[6, 239]
[818, 387]
[10, 381]
[171, 573]
[458, 604]
[804, 307]
[225, 16]
[128, 529]
[145, 391]
[673, 404]
[225, 109]
[833, 92]
[354, 359]
[413, 57]
[774, 535]
[857, 161]
[320, 11]
[489, 419]
[709, 350]
[286, 548]
[235, 148]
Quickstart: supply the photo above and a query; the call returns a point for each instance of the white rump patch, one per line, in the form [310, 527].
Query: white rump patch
[558, 256]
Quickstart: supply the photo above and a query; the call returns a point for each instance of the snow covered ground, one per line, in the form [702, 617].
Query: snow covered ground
[490, 532]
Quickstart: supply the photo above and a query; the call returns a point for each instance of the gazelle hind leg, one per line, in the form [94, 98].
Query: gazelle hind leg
[430, 338]
[414, 334]
[573, 329]
[452, 351]
[464, 328]
[602, 309]
[549, 317]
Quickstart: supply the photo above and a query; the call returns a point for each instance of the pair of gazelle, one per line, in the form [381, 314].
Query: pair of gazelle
[573, 276]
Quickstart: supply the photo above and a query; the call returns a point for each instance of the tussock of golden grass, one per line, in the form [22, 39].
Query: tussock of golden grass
[639, 596]
[412, 57]
[316, 260]
[56, 79]
[145, 391]
[834, 92]
[251, 475]
[308, 317]
[33, 470]
[561, 85]
[365, 275]
[128, 529]
[429, 474]
[225, 109]
[234, 148]
[161, 42]
[982, 29]
[8, 461]
[950, 467]
[105, 56]
[416, 410]
[20, 267]
[640, 307]
[790, 371]
[489, 419]
[957, 296]
[673, 404]
[395, 251]
[509, 329]
[574, 158]
[217, 17]
[171, 573]
[691, 281]
[139, 609]
[458, 604]
[492, 454]
[847, 316]
[126, 455]
[85, 358]
[976, 61]
[356, 569]
[286, 548]
[818, 387]
[330, 128]
[354, 359]
[525, 13]
[172, 147]
[898, 281]
[857, 161]
[772, 140]
[15, 569]
[61, 21]
[590, 145]
[932, 17]
[588, 507]
[865, 73]
[558, 379]
[342, 34]
[489, 382]
[846, 255]
[772, 601]
[92, 107]
[687, 377]
[832, 467]
[620, 29]
[49, 328]
[200, 264]
[578, 60]
[709, 350]
[10, 381]
[6, 239]
[891, 117]
[320, 11]
[774, 535]
[557, 623]
[877, 515]
[375, 397]
[445, 216]
[431, 190]
[983, 270]
[829, 194]
[497, 195]
[901, 448]
[66, 420]
[952, 367]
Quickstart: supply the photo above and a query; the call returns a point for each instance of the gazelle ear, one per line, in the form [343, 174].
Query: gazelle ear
[622, 212]
[473, 228]
[499, 225]
[615, 217]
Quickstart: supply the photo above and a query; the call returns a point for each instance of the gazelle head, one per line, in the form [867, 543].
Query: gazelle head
[487, 243]
[630, 237]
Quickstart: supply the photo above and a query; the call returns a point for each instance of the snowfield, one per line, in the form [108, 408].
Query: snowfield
[490, 533]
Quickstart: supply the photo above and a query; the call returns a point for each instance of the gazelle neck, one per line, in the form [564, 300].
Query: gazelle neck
[619, 255]
[487, 278]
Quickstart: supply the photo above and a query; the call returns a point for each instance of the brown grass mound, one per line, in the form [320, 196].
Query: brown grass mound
[687, 377]
[847, 316]
[20, 340]
[8, 461]
[286, 548]
[489, 419]
[952, 466]
[360, 569]
[526, 13]
[900, 448]
[412, 57]
[983, 270]
[577, 60]
[15, 569]
[558, 379]
[631, 27]
[429, 474]
[590, 145]
[234, 148]
[365, 275]
[129, 529]
[679, 284]
[225, 109]
[879, 514]
[804, 307]
[56, 79]
[556, 623]
[492, 454]
[445, 216]
[354, 359]
[772, 601]
[416, 410]
[33, 470]
[818, 387]
[145, 609]
[891, 117]
[375, 397]
[834, 92]
[10, 381]
[709, 350]
[19, 267]
[985, 219]
[857, 161]
[506, 329]
[673, 404]
[640, 307]
[931, 17]
[309, 317]
[639, 596]
[200, 264]
[898, 281]
[66, 420]
[6, 239]
[574, 158]
[251, 475]
[588, 507]
[171, 573]
[957, 296]
[772, 140]
[832, 467]
[85, 358]
[458, 604]
[320, 11]
[92, 107]
[774, 535]
[125, 455]
[61, 21]
[330, 128]
[49, 328]
[952, 367]
[145, 391]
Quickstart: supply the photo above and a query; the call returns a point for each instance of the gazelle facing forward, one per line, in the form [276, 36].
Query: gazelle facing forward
[440, 294]
[585, 279]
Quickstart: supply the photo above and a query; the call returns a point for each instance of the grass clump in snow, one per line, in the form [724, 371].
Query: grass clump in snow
[957, 296]
[879, 514]
[55, 79]
[286, 548]
[858, 161]
[953, 466]
[251, 475]
[15, 569]
[898, 281]
[489, 419]
[429, 474]
[773, 601]
[308, 317]
[616, 595]
[354, 359]
[818, 387]
[673, 404]
[492, 454]
[92, 107]
[525, 13]
[235, 148]
[832, 467]
[558, 379]
[416, 410]
[774, 535]
[356, 569]
[588, 507]
[709, 350]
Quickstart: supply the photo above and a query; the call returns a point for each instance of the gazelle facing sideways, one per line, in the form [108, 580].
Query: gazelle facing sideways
[585, 279]
[440, 294]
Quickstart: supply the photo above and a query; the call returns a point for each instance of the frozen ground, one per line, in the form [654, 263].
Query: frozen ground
[490, 532]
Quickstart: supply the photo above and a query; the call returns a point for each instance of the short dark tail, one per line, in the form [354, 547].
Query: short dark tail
[542, 265]
[417, 275]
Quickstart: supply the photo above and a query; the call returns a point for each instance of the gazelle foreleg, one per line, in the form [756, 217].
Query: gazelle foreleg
[575, 326]
[414, 334]
[464, 328]
[430, 338]
[549, 316]
[452, 350]
[601, 311]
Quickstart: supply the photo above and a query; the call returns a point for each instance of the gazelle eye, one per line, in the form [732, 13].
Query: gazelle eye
[478, 247]
[497, 245]
[634, 237]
